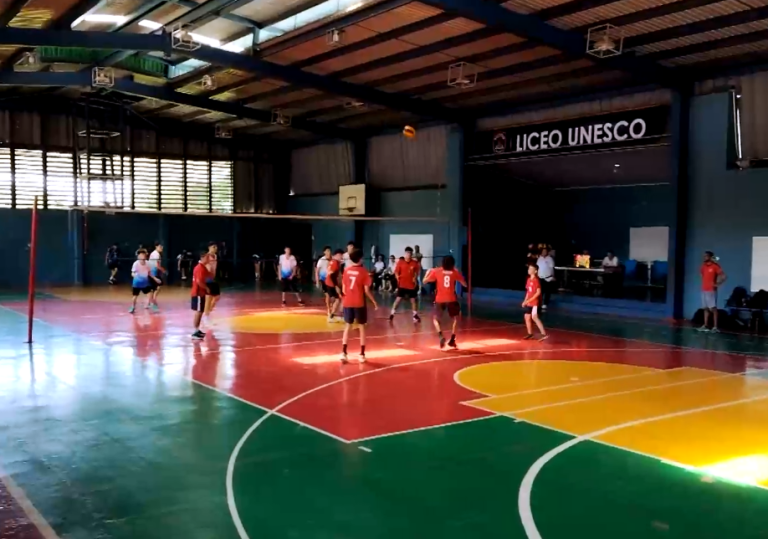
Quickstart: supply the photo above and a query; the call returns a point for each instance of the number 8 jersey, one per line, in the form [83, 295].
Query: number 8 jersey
[445, 281]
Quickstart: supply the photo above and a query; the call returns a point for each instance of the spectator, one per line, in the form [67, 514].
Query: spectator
[257, 266]
[390, 282]
[610, 260]
[712, 277]
[418, 256]
[378, 272]
[611, 277]
[113, 262]
[533, 255]
[546, 266]
[184, 264]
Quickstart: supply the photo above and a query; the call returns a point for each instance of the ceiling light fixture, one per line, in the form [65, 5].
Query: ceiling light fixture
[152, 25]
[94, 17]
[205, 40]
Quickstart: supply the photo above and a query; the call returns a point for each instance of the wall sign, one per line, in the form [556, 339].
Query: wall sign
[621, 129]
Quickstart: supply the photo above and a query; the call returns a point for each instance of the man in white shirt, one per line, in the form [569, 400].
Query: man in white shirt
[345, 259]
[610, 260]
[546, 265]
[611, 278]
[288, 267]
[321, 272]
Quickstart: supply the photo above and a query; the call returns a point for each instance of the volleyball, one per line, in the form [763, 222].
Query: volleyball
[409, 132]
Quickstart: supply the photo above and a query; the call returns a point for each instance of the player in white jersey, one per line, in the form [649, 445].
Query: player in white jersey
[288, 268]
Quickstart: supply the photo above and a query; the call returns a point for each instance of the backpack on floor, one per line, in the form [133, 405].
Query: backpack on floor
[739, 298]
[759, 301]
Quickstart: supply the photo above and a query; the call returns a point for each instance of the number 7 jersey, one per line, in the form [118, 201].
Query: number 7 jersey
[445, 281]
[355, 279]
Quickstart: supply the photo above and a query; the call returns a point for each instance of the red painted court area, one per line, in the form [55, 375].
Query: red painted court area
[286, 358]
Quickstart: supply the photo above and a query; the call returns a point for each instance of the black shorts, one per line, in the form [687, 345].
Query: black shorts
[453, 308]
[331, 291]
[531, 310]
[145, 290]
[113, 265]
[356, 314]
[198, 303]
[289, 285]
[407, 293]
[213, 289]
[154, 284]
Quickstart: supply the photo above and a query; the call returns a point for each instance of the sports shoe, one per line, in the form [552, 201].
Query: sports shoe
[452, 344]
[344, 359]
[416, 318]
[198, 335]
[284, 303]
[543, 307]
[155, 307]
[391, 317]
[361, 358]
[528, 337]
[132, 310]
[442, 342]
[714, 330]
[302, 304]
[703, 329]
[543, 338]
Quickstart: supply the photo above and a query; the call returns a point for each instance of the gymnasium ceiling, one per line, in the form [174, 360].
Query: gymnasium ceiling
[390, 65]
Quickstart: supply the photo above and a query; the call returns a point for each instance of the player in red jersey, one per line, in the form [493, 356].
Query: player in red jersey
[407, 272]
[357, 285]
[531, 303]
[332, 284]
[200, 290]
[445, 279]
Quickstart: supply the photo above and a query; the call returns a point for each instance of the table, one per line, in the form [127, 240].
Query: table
[566, 269]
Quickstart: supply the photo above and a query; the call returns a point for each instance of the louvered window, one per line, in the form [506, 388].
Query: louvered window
[145, 195]
[172, 184]
[29, 178]
[221, 187]
[60, 180]
[6, 179]
[198, 192]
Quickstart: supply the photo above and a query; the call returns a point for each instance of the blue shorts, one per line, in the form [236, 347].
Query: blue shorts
[198, 304]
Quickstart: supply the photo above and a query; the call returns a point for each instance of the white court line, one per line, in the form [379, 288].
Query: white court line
[628, 392]
[408, 431]
[32, 513]
[232, 504]
[366, 449]
[528, 391]
[526, 487]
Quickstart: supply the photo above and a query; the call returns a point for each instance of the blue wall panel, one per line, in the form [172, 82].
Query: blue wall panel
[726, 207]
[600, 219]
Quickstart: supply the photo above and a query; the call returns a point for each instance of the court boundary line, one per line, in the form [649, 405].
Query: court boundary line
[763, 358]
[229, 478]
[514, 413]
[651, 370]
[430, 427]
[526, 486]
[27, 507]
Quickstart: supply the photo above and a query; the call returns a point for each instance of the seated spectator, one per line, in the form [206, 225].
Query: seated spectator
[610, 262]
[546, 266]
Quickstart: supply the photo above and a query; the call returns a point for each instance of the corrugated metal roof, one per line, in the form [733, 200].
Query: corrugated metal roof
[455, 27]
[606, 12]
[532, 6]
[401, 16]
[760, 46]
[483, 45]
[402, 67]
[518, 57]
[352, 34]
[704, 37]
[268, 10]
[686, 17]
[366, 55]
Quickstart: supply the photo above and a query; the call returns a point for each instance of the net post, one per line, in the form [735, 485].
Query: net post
[469, 261]
[32, 263]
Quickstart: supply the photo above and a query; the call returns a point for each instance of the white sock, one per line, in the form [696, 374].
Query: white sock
[415, 313]
[392, 311]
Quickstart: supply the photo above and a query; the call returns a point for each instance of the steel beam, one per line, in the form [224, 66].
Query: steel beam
[83, 7]
[125, 85]
[190, 4]
[11, 11]
[28, 37]
[567, 41]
